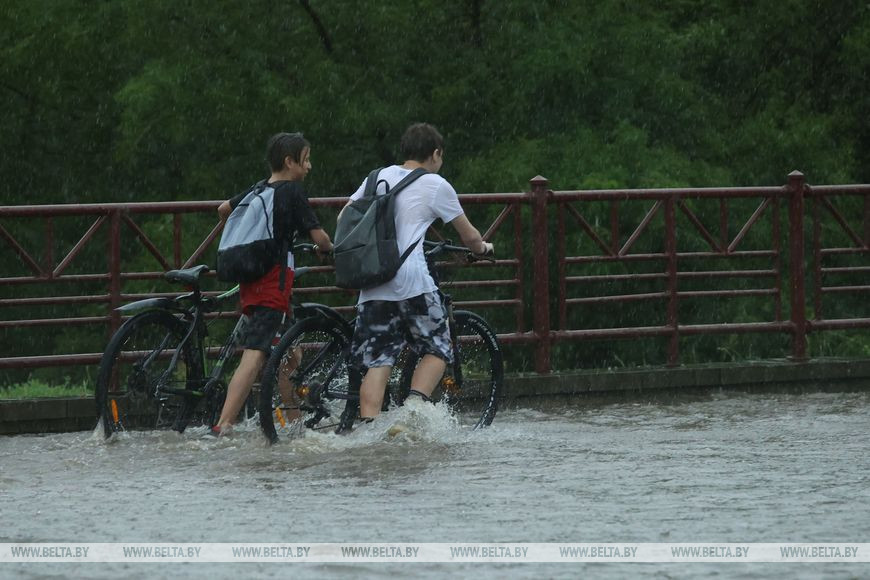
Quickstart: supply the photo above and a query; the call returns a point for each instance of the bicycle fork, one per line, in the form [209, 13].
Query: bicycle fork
[452, 383]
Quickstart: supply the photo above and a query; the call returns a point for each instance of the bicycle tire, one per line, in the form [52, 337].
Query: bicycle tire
[148, 339]
[304, 358]
[482, 379]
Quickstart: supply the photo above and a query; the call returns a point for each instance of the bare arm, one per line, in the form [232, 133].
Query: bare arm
[470, 236]
[224, 210]
[321, 238]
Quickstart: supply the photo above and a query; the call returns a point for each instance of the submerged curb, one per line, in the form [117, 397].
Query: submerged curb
[58, 415]
[812, 375]
[54, 415]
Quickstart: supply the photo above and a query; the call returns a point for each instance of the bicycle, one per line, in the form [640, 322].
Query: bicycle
[311, 361]
[152, 373]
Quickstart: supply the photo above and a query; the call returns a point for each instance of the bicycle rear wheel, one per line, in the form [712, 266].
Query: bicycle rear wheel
[305, 376]
[135, 387]
[472, 385]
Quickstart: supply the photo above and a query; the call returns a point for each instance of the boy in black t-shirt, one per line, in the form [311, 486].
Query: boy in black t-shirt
[264, 301]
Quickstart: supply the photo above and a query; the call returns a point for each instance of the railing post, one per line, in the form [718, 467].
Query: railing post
[114, 270]
[795, 188]
[866, 221]
[540, 194]
[176, 240]
[671, 252]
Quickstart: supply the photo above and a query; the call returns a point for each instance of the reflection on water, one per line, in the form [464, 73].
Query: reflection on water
[724, 467]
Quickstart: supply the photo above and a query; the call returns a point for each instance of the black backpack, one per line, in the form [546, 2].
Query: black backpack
[366, 251]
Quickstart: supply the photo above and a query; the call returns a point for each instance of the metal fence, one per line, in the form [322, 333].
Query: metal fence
[655, 242]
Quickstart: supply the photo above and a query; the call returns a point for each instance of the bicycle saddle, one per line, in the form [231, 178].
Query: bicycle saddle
[186, 275]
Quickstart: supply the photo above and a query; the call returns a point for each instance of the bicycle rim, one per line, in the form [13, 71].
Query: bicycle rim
[134, 380]
[305, 378]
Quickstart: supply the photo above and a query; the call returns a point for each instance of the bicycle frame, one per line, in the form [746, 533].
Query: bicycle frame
[447, 300]
[194, 316]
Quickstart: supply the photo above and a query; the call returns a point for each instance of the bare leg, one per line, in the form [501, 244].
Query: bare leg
[240, 385]
[371, 391]
[428, 374]
[289, 398]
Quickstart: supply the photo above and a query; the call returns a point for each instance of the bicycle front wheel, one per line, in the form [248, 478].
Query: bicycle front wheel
[136, 388]
[472, 385]
[305, 377]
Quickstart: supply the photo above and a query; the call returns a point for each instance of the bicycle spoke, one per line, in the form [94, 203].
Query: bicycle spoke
[135, 379]
[472, 384]
[306, 371]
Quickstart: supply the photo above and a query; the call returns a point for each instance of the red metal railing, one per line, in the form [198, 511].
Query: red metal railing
[667, 260]
[121, 224]
[852, 244]
[668, 238]
[672, 259]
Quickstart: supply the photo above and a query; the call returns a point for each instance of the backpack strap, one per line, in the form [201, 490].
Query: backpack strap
[259, 188]
[406, 181]
[410, 249]
[372, 183]
[282, 261]
[285, 245]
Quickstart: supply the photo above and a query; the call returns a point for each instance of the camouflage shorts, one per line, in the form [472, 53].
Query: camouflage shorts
[384, 328]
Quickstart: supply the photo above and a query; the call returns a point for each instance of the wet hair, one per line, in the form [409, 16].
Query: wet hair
[420, 141]
[281, 145]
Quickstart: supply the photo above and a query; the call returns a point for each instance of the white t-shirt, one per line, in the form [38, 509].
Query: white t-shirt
[428, 198]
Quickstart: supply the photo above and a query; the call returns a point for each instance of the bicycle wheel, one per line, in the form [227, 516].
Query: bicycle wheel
[305, 377]
[135, 384]
[472, 385]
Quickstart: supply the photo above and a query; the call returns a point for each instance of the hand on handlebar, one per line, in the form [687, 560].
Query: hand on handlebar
[323, 255]
[488, 254]
[488, 250]
[435, 248]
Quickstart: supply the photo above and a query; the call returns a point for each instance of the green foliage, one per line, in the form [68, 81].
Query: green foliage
[36, 389]
[174, 100]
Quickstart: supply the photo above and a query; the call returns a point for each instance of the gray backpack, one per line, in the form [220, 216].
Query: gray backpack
[248, 249]
[366, 250]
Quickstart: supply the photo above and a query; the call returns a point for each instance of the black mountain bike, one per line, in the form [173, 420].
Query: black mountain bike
[309, 365]
[153, 372]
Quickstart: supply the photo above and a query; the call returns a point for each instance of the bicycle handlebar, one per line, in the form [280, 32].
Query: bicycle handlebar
[309, 248]
[305, 247]
[436, 248]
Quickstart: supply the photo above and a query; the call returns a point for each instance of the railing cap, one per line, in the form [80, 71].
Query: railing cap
[539, 180]
[796, 182]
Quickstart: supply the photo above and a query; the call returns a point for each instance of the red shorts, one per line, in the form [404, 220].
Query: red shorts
[265, 291]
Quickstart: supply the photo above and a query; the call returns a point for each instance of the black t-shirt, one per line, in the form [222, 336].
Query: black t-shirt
[291, 214]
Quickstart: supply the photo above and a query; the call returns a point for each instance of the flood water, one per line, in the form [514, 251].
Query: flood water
[717, 467]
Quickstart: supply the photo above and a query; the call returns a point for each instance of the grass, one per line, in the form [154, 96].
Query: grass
[35, 389]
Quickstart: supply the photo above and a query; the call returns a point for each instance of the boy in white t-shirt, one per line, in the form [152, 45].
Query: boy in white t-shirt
[408, 309]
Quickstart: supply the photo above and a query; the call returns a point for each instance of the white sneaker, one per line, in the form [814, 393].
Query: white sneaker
[414, 404]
